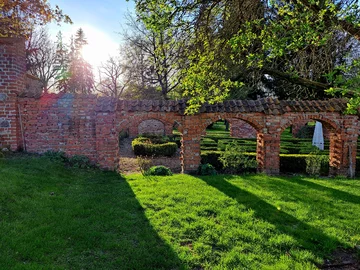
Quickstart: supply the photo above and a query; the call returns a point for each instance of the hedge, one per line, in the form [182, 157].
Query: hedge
[288, 163]
[143, 146]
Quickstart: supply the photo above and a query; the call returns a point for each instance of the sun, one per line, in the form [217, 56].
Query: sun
[100, 46]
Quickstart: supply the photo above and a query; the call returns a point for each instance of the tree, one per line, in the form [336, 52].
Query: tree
[81, 78]
[154, 58]
[112, 81]
[307, 44]
[41, 57]
[62, 63]
[19, 17]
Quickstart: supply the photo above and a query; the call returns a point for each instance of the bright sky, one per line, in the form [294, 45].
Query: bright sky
[101, 22]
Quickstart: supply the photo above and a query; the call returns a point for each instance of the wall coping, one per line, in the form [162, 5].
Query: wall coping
[268, 106]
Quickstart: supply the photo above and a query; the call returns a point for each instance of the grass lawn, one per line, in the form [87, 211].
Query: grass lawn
[52, 217]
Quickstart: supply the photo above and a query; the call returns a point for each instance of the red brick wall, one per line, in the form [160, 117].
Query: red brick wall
[12, 73]
[90, 125]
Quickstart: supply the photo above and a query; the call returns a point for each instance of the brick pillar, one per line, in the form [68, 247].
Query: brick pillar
[343, 148]
[190, 145]
[12, 82]
[268, 151]
[107, 141]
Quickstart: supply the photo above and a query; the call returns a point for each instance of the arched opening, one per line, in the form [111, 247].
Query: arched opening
[156, 132]
[305, 146]
[224, 135]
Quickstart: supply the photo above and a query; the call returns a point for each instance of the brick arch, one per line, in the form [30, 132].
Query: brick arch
[123, 125]
[327, 122]
[249, 119]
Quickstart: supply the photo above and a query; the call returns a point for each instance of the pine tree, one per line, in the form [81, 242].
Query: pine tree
[62, 63]
[81, 78]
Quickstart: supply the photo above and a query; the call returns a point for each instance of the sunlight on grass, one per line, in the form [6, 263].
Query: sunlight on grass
[52, 217]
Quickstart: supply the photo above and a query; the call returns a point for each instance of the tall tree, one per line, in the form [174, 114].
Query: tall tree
[155, 58]
[62, 63]
[19, 17]
[81, 77]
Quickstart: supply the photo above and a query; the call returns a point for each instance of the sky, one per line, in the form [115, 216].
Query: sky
[101, 21]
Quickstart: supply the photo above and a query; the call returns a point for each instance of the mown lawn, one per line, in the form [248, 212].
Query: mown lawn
[52, 217]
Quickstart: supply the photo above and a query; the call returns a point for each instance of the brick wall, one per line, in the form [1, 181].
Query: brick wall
[12, 73]
[90, 125]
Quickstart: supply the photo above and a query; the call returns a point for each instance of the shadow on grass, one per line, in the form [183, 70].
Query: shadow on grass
[76, 219]
[308, 237]
[120, 228]
[335, 193]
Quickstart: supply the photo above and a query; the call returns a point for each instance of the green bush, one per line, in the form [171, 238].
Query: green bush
[206, 169]
[235, 160]
[298, 163]
[58, 156]
[316, 163]
[293, 163]
[79, 161]
[212, 157]
[159, 170]
[143, 146]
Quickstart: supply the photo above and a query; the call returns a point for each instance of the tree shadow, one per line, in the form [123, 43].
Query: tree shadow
[109, 229]
[307, 236]
[335, 193]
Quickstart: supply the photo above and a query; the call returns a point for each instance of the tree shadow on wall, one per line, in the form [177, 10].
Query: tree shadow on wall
[307, 236]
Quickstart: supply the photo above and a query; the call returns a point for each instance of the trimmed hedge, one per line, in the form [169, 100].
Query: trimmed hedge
[143, 146]
[288, 163]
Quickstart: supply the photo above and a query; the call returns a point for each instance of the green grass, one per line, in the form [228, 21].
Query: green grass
[53, 217]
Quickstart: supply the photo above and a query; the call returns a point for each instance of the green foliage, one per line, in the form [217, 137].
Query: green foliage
[159, 170]
[76, 161]
[235, 160]
[58, 156]
[79, 161]
[316, 163]
[212, 157]
[143, 146]
[206, 169]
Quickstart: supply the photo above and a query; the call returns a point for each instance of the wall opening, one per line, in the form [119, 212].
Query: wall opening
[219, 137]
[298, 155]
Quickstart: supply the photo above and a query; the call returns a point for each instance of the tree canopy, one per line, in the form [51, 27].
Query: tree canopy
[249, 48]
[19, 17]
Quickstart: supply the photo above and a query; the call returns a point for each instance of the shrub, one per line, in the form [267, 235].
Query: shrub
[79, 161]
[58, 156]
[159, 170]
[212, 157]
[235, 160]
[293, 163]
[143, 146]
[316, 163]
[206, 169]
